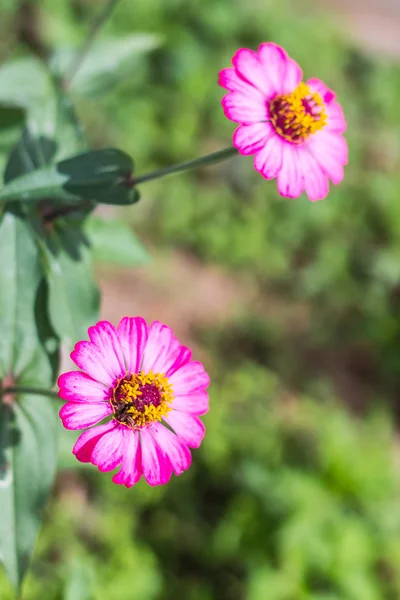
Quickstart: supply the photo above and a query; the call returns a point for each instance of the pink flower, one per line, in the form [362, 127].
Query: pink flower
[293, 128]
[138, 376]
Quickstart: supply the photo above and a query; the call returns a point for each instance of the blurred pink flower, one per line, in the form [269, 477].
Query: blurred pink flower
[137, 375]
[293, 128]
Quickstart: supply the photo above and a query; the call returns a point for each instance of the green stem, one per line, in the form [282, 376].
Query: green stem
[27, 390]
[203, 161]
[97, 24]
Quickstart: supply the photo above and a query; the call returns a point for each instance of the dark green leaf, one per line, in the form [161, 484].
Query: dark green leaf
[73, 293]
[99, 175]
[114, 241]
[106, 63]
[28, 155]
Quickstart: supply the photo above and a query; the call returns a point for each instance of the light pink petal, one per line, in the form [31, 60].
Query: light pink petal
[316, 182]
[83, 414]
[191, 377]
[329, 157]
[92, 360]
[187, 427]
[195, 403]
[331, 143]
[336, 121]
[279, 69]
[269, 160]
[242, 109]
[104, 336]
[231, 80]
[107, 453]
[316, 85]
[157, 468]
[86, 442]
[132, 334]
[290, 177]
[79, 387]
[249, 139]
[178, 453]
[158, 347]
[131, 470]
[249, 67]
[178, 356]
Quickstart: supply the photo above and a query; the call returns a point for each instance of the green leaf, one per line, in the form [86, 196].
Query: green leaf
[27, 425]
[28, 454]
[73, 292]
[11, 123]
[114, 241]
[106, 63]
[98, 175]
[20, 275]
[28, 155]
[26, 83]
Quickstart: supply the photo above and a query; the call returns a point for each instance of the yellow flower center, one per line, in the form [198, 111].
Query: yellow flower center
[297, 115]
[141, 398]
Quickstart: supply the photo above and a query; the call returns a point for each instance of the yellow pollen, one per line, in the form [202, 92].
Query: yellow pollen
[141, 399]
[297, 115]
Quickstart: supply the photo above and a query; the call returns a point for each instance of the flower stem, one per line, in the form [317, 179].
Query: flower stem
[97, 24]
[202, 161]
[27, 390]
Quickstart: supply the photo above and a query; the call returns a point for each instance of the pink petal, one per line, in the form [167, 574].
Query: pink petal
[231, 80]
[179, 356]
[269, 160]
[187, 427]
[178, 453]
[290, 177]
[104, 336]
[195, 403]
[160, 350]
[249, 67]
[132, 333]
[107, 453]
[336, 121]
[243, 109]
[84, 414]
[131, 470]
[280, 71]
[329, 157]
[249, 139]
[191, 377]
[79, 387]
[315, 181]
[331, 143]
[319, 86]
[93, 361]
[88, 439]
[157, 468]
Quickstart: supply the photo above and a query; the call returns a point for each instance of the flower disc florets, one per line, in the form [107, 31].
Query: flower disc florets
[297, 115]
[141, 399]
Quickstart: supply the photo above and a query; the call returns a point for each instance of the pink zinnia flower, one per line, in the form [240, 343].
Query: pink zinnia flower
[138, 376]
[293, 128]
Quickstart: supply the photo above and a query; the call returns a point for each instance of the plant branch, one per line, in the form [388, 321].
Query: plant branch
[203, 161]
[27, 390]
[97, 24]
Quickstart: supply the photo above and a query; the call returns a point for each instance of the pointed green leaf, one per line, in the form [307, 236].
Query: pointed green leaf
[98, 175]
[28, 454]
[114, 241]
[73, 292]
[106, 63]
[27, 423]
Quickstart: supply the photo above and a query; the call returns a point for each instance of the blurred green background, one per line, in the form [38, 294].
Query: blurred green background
[294, 308]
